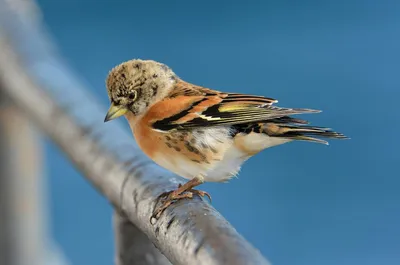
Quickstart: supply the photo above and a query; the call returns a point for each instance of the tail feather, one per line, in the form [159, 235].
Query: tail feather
[289, 120]
[308, 139]
[302, 133]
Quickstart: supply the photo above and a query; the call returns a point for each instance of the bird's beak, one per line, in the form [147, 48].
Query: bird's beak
[114, 112]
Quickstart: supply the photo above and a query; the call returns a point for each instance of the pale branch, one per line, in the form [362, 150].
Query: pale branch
[133, 246]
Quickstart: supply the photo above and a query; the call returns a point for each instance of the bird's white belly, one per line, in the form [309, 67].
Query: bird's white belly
[217, 171]
[228, 167]
[181, 166]
[224, 165]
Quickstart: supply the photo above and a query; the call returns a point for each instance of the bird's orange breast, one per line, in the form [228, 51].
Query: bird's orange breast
[186, 153]
[149, 141]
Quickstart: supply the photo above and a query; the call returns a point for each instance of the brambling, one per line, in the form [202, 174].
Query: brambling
[196, 132]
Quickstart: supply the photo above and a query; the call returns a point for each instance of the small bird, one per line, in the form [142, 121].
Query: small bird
[199, 133]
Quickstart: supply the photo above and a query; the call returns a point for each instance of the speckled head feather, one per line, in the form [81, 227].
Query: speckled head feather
[136, 84]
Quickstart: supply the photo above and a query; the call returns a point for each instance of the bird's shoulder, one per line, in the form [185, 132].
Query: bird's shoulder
[184, 102]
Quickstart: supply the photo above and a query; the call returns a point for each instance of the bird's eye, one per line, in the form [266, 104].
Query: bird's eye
[132, 96]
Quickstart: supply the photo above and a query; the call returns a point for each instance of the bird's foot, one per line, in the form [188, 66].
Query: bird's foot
[169, 197]
[201, 193]
[197, 192]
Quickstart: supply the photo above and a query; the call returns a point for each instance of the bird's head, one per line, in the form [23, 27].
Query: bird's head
[133, 86]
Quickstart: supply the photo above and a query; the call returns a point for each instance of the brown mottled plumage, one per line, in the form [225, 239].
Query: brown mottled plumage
[199, 133]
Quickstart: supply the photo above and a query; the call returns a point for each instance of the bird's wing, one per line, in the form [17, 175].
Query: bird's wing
[190, 106]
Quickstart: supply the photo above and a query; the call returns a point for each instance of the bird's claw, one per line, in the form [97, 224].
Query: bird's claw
[169, 197]
[201, 193]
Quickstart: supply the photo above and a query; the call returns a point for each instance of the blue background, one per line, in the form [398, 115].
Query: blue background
[299, 203]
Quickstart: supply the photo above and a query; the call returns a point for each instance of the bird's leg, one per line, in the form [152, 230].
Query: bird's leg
[182, 192]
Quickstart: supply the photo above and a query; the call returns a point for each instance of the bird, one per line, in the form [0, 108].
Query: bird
[198, 133]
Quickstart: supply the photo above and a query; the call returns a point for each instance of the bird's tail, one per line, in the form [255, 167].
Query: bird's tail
[295, 129]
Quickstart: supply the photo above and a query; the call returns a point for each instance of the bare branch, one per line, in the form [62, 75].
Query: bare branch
[189, 232]
[134, 247]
